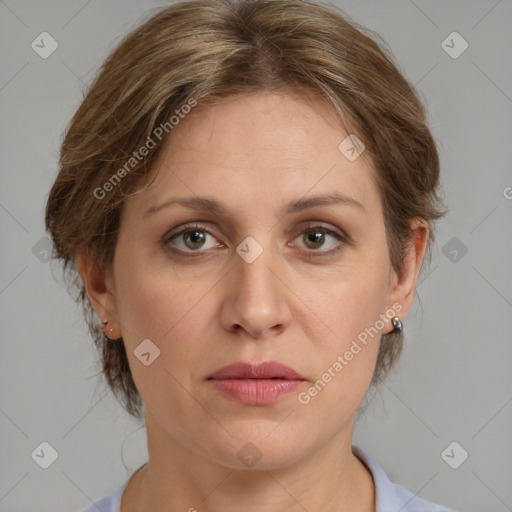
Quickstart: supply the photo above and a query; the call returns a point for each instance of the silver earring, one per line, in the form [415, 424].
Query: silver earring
[397, 324]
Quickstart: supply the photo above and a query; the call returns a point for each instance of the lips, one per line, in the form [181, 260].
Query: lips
[266, 370]
[256, 384]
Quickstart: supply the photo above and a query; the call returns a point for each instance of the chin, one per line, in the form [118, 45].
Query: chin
[260, 451]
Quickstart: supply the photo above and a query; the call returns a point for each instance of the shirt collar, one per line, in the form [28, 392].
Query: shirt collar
[389, 497]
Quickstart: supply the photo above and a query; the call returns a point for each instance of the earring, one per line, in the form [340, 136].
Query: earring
[397, 324]
[105, 322]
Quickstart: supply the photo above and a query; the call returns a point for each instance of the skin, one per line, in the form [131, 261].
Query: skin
[255, 153]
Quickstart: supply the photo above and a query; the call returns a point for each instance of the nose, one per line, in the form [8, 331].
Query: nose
[255, 297]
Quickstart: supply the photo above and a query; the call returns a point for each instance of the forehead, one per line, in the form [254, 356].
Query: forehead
[287, 124]
[275, 146]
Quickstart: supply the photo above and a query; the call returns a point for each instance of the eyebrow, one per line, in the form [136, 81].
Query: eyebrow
[211, 205]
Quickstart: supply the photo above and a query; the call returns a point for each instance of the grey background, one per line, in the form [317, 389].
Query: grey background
[454, 381]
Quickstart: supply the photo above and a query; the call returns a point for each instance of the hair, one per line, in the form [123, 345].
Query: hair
[195, 51]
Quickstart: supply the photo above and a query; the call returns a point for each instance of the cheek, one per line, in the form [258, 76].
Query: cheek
[168, 308]
[356, 300]
[151, 298]
[345, 357]
[155, 305]
[353, 311]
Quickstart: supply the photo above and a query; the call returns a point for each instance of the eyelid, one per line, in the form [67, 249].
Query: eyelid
[320, 225]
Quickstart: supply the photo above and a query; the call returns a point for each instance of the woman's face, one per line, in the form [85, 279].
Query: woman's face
[269, 274]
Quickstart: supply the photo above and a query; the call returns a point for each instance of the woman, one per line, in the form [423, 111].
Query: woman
[246, 197]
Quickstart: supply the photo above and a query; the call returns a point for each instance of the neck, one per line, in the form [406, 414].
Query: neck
[176, 478]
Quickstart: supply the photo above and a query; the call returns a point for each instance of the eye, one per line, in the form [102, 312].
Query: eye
[314, 237]
[192, 240]
[193, 237]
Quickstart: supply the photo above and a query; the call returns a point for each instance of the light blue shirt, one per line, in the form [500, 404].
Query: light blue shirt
[389, 497]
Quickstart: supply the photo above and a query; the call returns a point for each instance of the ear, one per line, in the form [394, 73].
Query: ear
[402, 288]
[99, 288]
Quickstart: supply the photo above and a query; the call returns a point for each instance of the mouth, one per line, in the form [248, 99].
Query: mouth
[265, 370]
[256, 384]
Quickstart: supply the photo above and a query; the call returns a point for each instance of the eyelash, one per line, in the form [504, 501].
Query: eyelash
[308, 253]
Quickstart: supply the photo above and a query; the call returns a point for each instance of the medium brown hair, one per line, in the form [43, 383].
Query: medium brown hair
[194, 51]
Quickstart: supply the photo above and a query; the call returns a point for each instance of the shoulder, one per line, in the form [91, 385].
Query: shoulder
[110, 503]
[391, 497]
